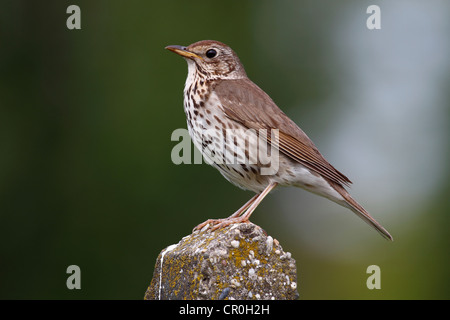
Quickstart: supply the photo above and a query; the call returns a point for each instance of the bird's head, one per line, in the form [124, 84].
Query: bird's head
[212, 59]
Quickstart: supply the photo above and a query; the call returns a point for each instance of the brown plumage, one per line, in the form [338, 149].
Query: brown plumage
[219, 97]
[244, 102]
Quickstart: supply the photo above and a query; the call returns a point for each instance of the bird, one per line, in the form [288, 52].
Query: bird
[228, 118]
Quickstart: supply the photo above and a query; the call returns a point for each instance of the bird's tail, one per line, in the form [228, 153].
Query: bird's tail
[361, 212]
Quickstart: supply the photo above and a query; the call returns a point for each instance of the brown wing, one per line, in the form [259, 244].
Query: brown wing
[244, 102]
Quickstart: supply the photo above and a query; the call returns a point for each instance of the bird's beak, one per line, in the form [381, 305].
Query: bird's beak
[182, 51]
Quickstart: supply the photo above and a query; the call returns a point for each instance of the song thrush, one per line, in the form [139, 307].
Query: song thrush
[227, 114]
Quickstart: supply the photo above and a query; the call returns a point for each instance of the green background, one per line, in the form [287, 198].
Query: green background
[86, 117]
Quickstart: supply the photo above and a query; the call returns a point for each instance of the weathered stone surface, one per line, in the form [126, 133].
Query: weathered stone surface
[237, 262]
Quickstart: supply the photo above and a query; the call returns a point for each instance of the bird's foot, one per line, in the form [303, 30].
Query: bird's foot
[215, 224]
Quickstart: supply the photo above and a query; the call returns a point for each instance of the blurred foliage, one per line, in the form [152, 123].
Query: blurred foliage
[85, 171]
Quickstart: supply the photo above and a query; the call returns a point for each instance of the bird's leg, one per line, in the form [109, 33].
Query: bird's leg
[244, 217]
[258, 200]
[250, 206]
[234, 215]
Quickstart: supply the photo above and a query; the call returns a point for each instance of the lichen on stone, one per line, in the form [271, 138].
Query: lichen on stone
[240, 260]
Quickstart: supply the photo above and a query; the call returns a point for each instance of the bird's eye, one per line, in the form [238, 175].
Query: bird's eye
[211, 53]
